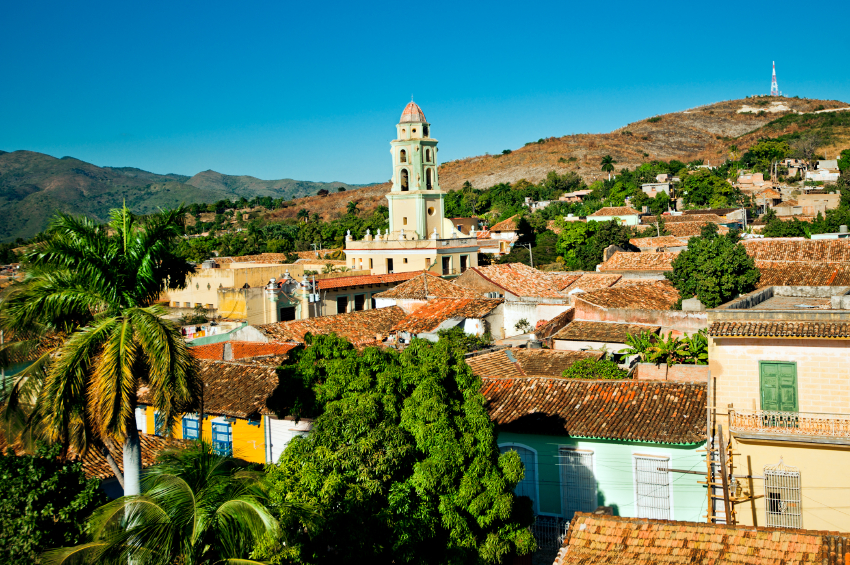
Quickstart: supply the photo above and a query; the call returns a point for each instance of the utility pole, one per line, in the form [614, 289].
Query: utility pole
[530, 258]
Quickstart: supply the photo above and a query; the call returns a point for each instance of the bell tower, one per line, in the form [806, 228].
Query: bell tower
[415, 200]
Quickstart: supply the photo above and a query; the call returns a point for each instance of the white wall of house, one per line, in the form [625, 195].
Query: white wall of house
[141, 420]
[533, 312]
[280, 433]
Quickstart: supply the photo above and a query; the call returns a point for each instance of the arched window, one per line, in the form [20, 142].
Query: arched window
[428, 179]
[402, 156]
[428, 155]
[528, 485]
[404, 180]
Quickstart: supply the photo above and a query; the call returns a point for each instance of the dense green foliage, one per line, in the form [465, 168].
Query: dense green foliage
[402, 459]
[593, 369]
[704, 188]
[714, 268]
[652, 348]
[43, 504]
[458, 339]
[6, 254]
[197, 508]
[582, 243]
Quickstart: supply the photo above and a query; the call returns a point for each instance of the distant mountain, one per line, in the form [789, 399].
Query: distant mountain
[33, 186]
[249, 187]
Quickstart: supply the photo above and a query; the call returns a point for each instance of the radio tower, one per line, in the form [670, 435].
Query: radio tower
[774, 87]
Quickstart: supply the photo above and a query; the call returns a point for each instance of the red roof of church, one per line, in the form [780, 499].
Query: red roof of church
[412, 113]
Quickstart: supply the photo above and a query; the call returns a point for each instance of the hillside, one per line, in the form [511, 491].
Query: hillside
[33, 186]
[705, 133]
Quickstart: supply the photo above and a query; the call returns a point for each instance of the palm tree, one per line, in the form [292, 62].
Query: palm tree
[352, 209]
[608, 165]
[97, 285]
[197, 508]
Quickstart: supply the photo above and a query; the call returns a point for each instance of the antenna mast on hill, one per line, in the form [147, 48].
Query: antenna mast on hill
[774, 86]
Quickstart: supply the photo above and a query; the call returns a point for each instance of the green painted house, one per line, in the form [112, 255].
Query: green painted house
[587, 444]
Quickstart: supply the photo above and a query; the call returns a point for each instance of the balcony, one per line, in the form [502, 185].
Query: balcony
[806, 427]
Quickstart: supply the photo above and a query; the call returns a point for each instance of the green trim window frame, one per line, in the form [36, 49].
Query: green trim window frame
[191, 427]
[778, 386]
[222, 438]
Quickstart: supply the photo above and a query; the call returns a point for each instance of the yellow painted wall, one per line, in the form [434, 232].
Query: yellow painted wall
[248, 441]
[202, 287]
[823, 478]
[415, 262]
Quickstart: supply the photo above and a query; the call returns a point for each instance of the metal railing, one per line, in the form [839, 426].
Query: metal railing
[790, 423]
[549, 531]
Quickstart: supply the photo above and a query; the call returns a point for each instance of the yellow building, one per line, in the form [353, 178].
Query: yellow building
[780, 383]
[420, 237]
[236, 418]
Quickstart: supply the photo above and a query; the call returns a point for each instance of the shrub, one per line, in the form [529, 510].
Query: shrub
[654, 119]
[593, 369]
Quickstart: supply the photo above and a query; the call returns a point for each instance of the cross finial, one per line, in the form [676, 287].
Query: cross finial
[411, 98]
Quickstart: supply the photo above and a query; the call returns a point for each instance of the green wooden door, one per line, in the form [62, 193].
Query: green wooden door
[778, 386]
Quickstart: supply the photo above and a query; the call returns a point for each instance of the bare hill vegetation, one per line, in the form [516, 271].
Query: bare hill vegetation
[706, 132]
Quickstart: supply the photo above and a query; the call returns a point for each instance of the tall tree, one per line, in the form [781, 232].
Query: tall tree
[608, 165]
[402, 459]
[97, 285]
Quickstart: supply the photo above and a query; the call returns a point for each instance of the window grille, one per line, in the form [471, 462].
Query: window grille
[528, 485]
[782, 498]
[578, 483]
[222, 439]
[191, 428]
[652, 487]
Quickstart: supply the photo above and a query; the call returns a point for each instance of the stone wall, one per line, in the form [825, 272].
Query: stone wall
[678, 373]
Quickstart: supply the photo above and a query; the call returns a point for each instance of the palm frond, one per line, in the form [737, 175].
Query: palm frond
[85, 553]
[112, 395]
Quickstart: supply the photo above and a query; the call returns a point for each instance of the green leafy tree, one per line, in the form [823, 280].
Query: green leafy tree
[460, 340]
[702, 188]
[582, 244]
[594, 369]
[844, 163]
[714, 268]
[402, 459]
[97, 284]
[608, 165]
[44, 502]
[197, 508]
[762, 155]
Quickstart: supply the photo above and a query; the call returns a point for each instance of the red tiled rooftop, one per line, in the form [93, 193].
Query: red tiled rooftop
[796, 250]
[430, 315]
[626, 261]
[615, 211]
[803, 273]
[669, 219]
[428, 285]
[797, 329]
[240, 350]
[361, 280]
[360, 328]
[506, 225]
[593, 539]
[688, 229]
[661, 412]
[520, 279]
[651, 295]
[656, 242]
[521, 362]
[589, 282]
[603, 332]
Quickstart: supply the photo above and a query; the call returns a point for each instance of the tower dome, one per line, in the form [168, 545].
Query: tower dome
[412, 114]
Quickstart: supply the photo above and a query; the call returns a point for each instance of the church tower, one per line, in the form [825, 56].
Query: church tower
[415, 200]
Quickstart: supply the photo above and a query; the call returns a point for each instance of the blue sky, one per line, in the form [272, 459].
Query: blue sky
[312, 90]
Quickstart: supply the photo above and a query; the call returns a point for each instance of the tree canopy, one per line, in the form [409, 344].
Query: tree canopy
[714, 268]
[402, 459]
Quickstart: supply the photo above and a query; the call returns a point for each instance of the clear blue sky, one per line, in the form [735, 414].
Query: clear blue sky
[312, 90]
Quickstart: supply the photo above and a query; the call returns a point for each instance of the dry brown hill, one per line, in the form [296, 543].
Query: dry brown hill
[705, 132]
[334, 205]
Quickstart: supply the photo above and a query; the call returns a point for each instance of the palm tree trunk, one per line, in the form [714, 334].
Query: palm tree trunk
[132, 461]
[116, 470]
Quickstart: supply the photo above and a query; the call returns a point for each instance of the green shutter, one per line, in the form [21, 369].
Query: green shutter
[778, 386]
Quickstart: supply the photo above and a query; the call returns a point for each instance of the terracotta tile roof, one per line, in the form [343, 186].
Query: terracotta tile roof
[240, 350]
[279, 257]
[768, 193]
[661, 412]
[415, 289]
[610, 332]
[614, 540]
[506, 225]
[521, 362]
[615, 211]
[687, 229]
[626, 261]
[716, 211]
[427, 317]
[550, 327]
[656, 242]
[96, 467]
[803, 273]
[232, 389]
[209, 351]
[713, 218]
[251, 349]
[360, 328]
[833, 330]
[646, 295]
[563, 279]
[787, 204]
[784, 249]
[360, 280]
[592, 281]
[521, 280]
[315, 261]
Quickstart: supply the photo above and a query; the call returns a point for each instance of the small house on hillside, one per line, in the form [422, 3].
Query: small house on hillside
[625, 215]
[506, 229]
[475, 316]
